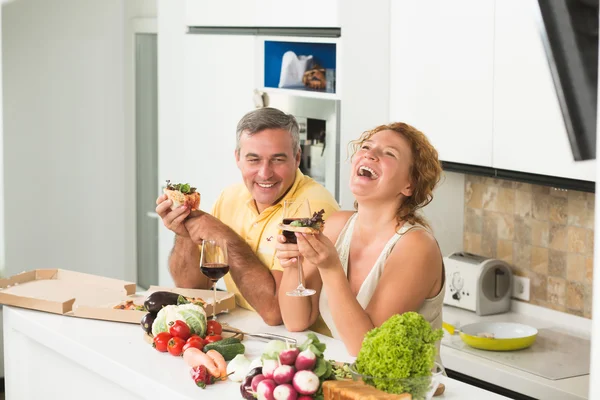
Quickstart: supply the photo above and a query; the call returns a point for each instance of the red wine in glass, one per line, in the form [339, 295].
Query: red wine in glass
[290, 237]
[215, 271]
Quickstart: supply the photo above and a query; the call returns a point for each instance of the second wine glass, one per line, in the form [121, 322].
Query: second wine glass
[294, 210]
[215, 265]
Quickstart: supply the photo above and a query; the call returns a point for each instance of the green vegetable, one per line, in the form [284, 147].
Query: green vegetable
[229, 348]
[272, 350]
[402, 347]
[193, 315]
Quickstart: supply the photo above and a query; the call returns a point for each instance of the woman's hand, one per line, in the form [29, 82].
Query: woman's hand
[287, 253]
[317, 249]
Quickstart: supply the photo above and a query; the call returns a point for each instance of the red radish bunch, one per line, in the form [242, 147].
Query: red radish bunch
[294, 373]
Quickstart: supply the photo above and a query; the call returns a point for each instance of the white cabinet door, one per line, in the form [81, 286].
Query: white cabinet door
[441, 74]
[265, 13]
[219, 84]
[529, 132]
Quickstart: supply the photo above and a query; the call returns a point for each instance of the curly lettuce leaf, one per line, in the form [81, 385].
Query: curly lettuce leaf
[402, 347]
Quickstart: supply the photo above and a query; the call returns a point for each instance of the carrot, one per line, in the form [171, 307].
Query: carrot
[195, 357]
[219, 361]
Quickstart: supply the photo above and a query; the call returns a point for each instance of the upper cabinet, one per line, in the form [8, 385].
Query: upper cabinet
[474, 77]
[529, 132]
[263, 13]
[441, 74]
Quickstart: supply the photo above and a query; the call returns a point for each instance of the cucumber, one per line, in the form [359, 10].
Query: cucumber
[228, 348]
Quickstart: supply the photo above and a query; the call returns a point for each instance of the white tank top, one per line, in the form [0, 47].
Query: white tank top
[431, 309]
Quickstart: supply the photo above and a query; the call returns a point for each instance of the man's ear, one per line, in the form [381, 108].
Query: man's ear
[237, 156]
[298, 157]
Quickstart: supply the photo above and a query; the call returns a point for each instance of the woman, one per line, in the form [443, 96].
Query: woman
[385, 260]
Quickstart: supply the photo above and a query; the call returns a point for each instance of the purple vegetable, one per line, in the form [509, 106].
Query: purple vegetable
[306, 360]
[288, 357]
[246, 386]
[306, 382]
[265, 389]
[285, 392]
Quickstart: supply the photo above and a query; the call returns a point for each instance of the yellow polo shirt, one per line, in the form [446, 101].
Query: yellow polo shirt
[236, 208]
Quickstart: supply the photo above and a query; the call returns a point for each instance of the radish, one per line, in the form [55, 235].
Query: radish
[283, 374]
[288, 357]
[305, 398]
[306, 382]
[269, 366]
[285, 392]
[256, 380]
[306, 360]
[265, 389]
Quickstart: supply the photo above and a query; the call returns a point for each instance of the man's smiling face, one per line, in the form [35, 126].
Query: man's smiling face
[268, 165]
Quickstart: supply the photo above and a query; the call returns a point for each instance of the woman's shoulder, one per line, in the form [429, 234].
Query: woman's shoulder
[335, 223]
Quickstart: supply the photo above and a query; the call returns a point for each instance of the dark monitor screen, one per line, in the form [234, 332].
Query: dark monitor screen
[569, 29]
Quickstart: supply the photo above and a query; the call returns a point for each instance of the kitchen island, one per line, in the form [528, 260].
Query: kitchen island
[54, 356]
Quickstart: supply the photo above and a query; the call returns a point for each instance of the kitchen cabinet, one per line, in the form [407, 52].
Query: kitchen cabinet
[263, 13]
[529, 132]
[441, 74]
[219, 83]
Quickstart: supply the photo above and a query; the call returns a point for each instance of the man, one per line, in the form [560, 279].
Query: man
[246, 216]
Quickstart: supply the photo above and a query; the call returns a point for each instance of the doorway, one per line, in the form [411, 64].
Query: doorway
[146, 151]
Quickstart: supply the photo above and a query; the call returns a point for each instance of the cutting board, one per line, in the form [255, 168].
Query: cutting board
[554, 355]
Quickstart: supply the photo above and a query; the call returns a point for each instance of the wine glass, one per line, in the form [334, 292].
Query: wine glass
[214, 264]
[294, 210]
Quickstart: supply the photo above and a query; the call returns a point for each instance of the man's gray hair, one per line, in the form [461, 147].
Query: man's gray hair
[268, 118]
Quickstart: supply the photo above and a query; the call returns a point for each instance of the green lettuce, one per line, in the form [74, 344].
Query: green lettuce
[402, 347]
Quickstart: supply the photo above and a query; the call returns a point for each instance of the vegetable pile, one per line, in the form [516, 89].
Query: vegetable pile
[288, 372]
[402, 347]
[178, 326]
[315, 222]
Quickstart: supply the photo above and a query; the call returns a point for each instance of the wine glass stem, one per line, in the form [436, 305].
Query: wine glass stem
[214, 301]
[300, 274]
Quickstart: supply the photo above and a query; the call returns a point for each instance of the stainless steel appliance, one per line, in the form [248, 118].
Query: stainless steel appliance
[319, 134]
[477, 283]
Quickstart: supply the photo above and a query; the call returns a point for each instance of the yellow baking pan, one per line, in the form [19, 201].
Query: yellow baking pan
[495, 336]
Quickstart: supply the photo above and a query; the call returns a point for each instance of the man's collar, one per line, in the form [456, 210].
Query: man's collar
[291, 193]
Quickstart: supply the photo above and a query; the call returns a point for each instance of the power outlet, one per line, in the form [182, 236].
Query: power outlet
[520, 288]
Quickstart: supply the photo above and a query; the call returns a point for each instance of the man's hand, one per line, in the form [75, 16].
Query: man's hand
[201, 225]
[172, 219]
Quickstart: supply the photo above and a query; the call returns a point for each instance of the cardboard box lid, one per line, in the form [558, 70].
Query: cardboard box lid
[83, 295]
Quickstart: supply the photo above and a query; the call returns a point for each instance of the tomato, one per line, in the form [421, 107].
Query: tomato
[175, 346]
[213, 328]
[161, 341]
[213, 338]
[194, 343]
[179, 329]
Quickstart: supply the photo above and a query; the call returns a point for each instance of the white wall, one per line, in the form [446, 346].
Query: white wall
[68, 156]
[446, 212]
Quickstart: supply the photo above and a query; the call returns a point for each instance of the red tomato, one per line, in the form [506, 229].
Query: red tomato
[179, 329]
[213, 328]
[194, 343]
[175, 346]
[161, 341]
[213, 338]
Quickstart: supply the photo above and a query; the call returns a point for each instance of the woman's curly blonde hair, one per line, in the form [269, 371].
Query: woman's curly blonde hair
[425, 170]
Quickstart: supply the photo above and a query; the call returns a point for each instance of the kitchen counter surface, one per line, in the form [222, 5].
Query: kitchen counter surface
[53, 356]
[502, 375]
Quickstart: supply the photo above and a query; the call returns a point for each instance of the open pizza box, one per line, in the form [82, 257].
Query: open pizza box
[82, 295]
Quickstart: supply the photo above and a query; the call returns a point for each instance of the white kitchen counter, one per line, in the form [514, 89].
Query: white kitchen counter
[53, 356]
[502, 375]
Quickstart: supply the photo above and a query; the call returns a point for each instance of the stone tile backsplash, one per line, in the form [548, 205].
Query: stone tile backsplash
[546, 234]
